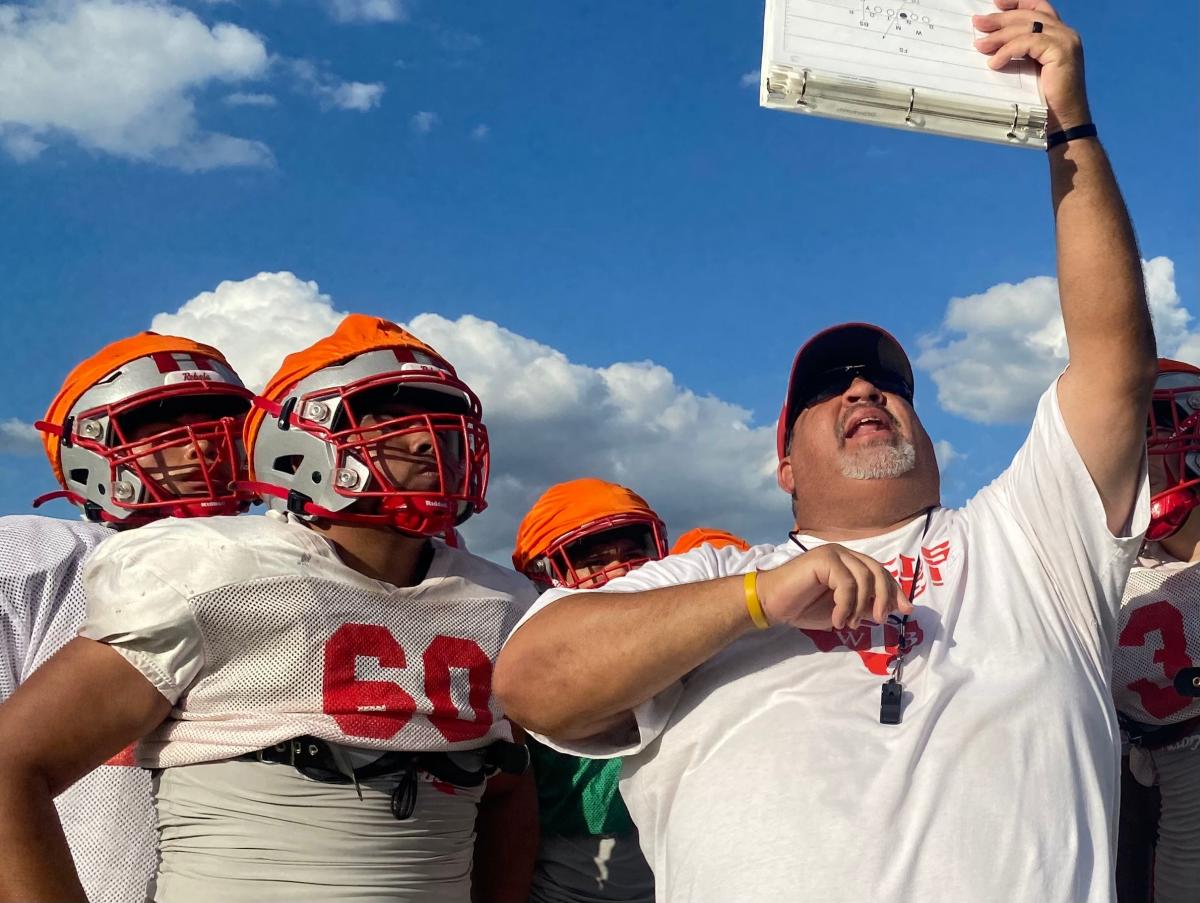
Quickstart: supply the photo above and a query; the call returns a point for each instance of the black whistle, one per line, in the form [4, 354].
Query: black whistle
[890, 697]
[1187, 682]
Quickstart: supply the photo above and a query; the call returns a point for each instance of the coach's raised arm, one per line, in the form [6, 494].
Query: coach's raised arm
[747, 689]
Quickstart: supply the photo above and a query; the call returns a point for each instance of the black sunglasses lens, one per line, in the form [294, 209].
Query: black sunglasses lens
[835, 382]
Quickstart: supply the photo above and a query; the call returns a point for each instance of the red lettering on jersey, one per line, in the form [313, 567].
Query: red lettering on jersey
[1163, 618]
[379, 709]
[904, 569]
[444, 653]
[935, 557]
[349, 700]
[856, 638]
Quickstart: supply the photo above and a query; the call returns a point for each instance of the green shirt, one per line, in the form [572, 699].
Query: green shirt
[578, 796]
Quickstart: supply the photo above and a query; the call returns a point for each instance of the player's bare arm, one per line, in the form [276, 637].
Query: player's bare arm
[1106, 389]
[578, 667]
[74, 713]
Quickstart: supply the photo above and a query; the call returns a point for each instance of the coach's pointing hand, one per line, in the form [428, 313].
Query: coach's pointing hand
[831, 586]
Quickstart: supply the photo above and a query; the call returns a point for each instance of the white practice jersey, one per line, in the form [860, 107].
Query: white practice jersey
[257, 632]
[1158, 635]
[766, 775]
[108, 816]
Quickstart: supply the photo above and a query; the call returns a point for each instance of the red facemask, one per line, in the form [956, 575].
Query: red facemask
[1173, 437]
[214, 464]
[619, 544]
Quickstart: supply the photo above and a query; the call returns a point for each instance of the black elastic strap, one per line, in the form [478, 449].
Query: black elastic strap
[1054, 139]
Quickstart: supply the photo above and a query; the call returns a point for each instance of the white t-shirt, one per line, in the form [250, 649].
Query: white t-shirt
[108, 816]
[766, 775]
[257, 632]
[1158, 634]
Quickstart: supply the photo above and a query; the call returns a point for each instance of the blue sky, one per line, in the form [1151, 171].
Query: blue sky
[594, 179]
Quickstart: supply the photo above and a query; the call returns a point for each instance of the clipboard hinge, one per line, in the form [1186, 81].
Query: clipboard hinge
[1012, 129]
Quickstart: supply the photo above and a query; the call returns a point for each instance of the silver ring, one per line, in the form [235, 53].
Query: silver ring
[1037, 27]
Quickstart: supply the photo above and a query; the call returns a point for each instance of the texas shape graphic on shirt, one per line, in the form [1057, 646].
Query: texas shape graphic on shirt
[869, 636]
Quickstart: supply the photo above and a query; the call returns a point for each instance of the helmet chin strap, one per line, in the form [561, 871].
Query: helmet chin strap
[149, 514]
[417, 517]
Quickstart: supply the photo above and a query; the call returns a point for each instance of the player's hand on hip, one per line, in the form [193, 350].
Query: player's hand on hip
[1056, 46]
[831, 586]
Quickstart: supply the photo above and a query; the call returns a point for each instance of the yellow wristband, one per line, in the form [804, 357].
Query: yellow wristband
[753, 603]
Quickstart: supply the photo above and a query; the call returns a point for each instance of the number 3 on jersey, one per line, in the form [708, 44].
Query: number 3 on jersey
[1166, 620]
[379, 709]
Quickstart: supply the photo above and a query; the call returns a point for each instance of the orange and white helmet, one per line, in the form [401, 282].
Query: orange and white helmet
[311, 453]
[583, 533]
[91, 437]
[1173, 437]
[700, 536]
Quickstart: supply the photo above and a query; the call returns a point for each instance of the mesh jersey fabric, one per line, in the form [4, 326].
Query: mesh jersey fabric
[108, 815]
[578, 796]
[1158, 634]
[257, 632]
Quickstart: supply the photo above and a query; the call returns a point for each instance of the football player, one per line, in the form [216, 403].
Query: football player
[1156, 680]
[148, 427]
[313, 686]
[581, 534]
[707, 536]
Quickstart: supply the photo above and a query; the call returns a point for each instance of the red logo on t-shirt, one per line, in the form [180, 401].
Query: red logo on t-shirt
[869, 636]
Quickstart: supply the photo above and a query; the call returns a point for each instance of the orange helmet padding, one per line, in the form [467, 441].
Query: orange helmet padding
[109, 358]
[570, 506]
[356, 334]
[700, 535]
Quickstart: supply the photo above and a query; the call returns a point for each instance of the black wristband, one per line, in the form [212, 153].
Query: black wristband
[1054, 139]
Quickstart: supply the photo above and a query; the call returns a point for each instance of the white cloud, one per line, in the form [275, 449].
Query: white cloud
[946, 454]
[21, 144]
[240, 99]
[361, 96]
[480, 132]
[696, 459]
[996, 352]
[255, 321]
[367, 10]
[424, 122]
[119, 76]
[750, 79]
[19, 438]
[335, 93]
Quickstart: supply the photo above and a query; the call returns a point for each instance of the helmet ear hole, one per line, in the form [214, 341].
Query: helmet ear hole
[286, 464]
[78, 475]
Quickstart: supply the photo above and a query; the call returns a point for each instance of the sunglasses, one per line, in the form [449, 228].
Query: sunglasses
[835, 382]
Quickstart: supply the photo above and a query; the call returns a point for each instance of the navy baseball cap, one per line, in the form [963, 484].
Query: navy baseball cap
[836, 352]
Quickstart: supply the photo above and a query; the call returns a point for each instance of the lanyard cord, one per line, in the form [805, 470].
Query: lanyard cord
[902, 642]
